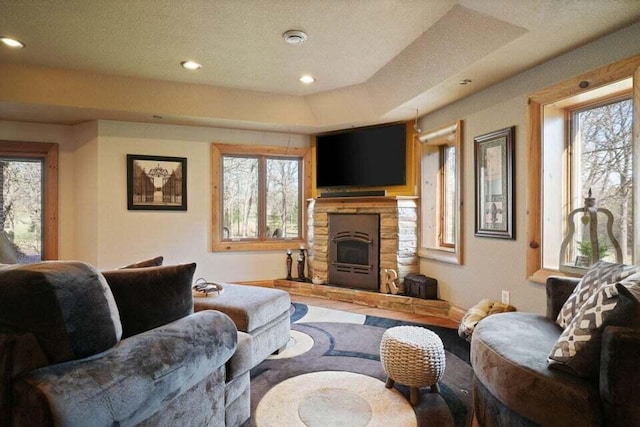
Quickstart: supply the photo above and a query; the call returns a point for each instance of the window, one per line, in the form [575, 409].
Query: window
[447, 215]
[581, 139]
[602, 162]
[28, 201]
[440, 192]
[258, 197]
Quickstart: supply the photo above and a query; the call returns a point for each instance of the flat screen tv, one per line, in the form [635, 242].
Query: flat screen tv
[362, 157]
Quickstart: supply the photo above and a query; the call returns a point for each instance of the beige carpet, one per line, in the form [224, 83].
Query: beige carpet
[334, 398]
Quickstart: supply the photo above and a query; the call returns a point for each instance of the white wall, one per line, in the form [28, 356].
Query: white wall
[94, 223]
[491, 264]
[85, 192]
[126, 236]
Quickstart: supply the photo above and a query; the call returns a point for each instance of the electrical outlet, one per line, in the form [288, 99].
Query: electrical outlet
[505, 297]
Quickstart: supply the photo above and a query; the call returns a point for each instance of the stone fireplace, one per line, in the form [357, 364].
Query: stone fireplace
[397, 236]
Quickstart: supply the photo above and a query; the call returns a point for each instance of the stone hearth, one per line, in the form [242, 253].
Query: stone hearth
[398, 233]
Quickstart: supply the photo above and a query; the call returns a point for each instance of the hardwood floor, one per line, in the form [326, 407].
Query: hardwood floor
[372, 311]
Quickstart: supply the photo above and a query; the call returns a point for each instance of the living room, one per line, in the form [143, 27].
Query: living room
[43, 103]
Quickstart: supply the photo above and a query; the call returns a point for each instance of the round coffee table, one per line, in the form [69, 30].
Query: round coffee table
[412, 356]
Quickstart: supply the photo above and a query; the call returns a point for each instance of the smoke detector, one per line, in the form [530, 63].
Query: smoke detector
[294, 37]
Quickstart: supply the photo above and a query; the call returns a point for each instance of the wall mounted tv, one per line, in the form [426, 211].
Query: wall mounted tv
[363, 157]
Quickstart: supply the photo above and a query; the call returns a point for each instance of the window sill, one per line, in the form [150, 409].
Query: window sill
[442, 255]
[240, 246]
[542, 275]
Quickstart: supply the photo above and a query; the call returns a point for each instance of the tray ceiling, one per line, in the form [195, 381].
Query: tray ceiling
[373, 61]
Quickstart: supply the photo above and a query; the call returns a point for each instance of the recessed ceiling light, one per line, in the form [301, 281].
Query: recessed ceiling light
[464, 82]
[307, 79]
[12, 43]
[191, 65]
[294, 37]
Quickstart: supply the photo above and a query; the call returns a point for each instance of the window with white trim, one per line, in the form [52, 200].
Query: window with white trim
[440, 193]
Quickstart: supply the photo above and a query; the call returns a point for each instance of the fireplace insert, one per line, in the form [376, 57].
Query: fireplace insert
[354, 251]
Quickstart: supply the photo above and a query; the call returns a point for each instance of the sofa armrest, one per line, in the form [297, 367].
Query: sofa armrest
[7, 343]
[19, 353]
[133, 380]
[619, 376]
[558, 291]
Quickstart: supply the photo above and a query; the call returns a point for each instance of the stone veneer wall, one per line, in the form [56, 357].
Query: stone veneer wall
[398, 233]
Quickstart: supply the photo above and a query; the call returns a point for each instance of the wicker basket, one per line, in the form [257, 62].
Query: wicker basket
[412, 356]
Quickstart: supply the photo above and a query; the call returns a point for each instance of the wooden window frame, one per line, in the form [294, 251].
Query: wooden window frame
[218, 150]
[442, 201]
[603, 76]
[48, 153]
[438, 251]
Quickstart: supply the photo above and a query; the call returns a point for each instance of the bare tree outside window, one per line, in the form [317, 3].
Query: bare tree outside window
[21, 200]
[283, 198]
[603, 162]
[448, 211]
[247, 215]
[240, 197]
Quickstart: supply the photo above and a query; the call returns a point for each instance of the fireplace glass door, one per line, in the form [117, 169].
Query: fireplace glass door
[354, 256]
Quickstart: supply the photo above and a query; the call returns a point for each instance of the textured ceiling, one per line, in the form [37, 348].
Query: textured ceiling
[373, 60]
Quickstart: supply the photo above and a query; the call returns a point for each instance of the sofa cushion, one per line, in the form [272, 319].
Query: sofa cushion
[250, 307]
[509, 357]
[578, 348]
[601, 273]
[242, 360]
[67, 306]
[153, 262]
[152, 296]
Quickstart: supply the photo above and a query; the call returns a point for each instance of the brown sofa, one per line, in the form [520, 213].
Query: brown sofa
[513, 385]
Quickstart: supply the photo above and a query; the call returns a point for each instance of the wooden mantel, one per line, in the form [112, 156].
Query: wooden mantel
[367, 199]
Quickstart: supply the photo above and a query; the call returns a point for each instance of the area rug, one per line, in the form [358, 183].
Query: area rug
[330, 375]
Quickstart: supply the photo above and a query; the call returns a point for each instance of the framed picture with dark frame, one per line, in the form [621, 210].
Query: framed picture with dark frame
[494, 172]
[156, 183]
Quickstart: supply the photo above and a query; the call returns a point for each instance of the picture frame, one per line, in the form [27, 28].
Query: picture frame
[494, 175]
[156, 183]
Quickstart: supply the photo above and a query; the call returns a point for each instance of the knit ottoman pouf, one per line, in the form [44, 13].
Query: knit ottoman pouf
[412, 356]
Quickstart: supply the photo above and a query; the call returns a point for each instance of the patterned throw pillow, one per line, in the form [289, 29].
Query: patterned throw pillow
[578, 348]
[601, 273]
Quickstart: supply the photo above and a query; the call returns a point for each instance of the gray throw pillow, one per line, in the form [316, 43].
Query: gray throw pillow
[600, 274]
[67, 306]
[153, 262]
[578, 348]
[152, 296]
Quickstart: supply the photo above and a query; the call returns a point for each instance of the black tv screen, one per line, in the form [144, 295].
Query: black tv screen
[364, 157]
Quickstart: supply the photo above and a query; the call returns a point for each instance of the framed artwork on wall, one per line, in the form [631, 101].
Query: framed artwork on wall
[494, 174]
[156, 183]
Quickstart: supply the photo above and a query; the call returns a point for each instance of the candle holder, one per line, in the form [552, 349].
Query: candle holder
[586, 242]
[289, 264]
[301, 263]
